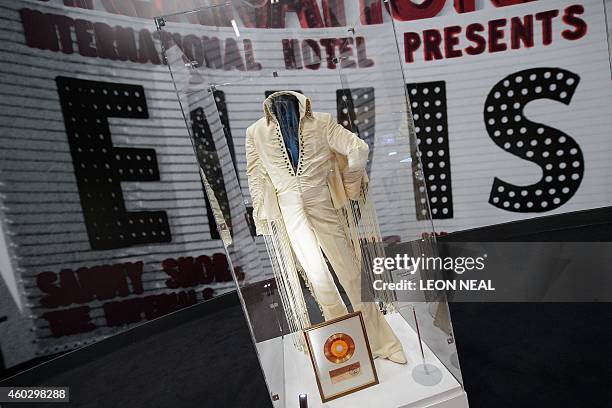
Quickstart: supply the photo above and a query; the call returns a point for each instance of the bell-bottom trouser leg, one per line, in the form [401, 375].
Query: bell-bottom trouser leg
[314, 231]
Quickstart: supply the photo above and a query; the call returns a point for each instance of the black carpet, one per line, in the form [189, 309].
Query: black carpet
[201, 356]
[512, 355]
[535, 355]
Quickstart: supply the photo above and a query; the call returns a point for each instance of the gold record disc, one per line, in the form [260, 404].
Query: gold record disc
[339, 348]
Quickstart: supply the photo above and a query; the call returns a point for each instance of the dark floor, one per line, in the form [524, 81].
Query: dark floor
[535, 355]
[201, 356]
[512, 355]
[538, 354]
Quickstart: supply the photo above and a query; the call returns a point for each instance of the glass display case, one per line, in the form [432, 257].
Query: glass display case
[310, 159]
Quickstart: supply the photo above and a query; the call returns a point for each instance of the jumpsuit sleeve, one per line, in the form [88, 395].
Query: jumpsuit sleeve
[347, 144]
[255, 178]
[356, 151]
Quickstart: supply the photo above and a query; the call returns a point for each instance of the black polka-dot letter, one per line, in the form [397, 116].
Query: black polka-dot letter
[428, 105]
[209, 163]
[556, 153]
[356, 113]
[100, 167]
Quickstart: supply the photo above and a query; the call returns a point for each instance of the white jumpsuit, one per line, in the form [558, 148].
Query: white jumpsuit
[302, 199]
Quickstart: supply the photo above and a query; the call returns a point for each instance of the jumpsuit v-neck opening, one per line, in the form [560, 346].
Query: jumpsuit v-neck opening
[287, 113]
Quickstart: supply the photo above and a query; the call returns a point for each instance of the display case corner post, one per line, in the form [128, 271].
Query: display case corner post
[159, 23]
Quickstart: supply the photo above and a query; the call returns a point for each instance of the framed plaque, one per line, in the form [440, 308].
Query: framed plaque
[341, 356]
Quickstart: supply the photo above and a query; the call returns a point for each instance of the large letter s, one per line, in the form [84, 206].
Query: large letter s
[556, 153]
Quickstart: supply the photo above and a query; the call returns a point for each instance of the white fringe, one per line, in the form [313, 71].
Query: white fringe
[288, 282]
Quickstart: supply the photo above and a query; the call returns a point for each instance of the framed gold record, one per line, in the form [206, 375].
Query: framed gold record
[339, 348]
[341, 357]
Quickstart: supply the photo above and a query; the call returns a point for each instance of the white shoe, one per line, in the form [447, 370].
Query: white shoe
[398, 357]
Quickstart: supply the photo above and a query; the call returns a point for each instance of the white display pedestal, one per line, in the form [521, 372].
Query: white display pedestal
[397, 388]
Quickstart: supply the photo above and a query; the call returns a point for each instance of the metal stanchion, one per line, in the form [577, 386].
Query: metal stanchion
[303, 401]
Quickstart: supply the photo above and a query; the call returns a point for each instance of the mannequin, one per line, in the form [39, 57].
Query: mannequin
[303, 170]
